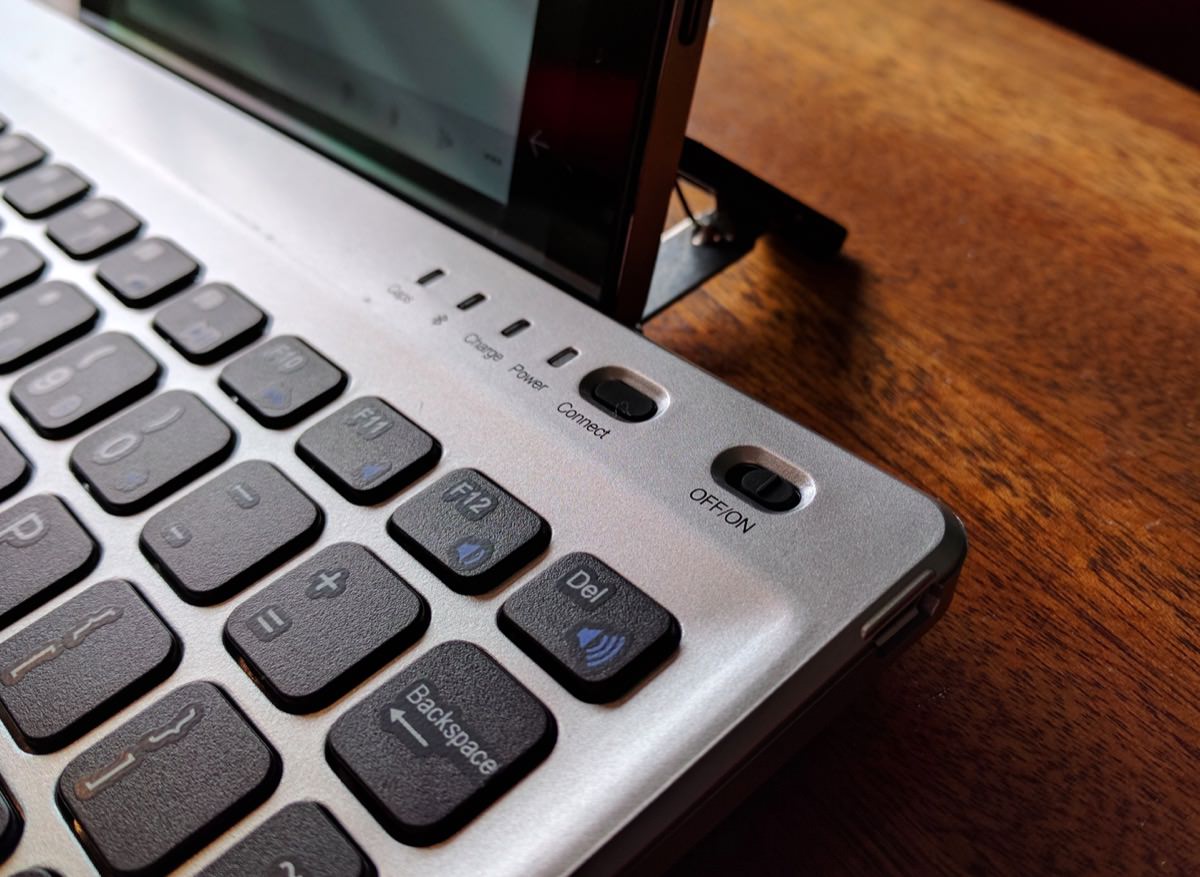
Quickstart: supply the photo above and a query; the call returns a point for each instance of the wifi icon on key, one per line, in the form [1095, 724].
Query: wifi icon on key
[598, 646]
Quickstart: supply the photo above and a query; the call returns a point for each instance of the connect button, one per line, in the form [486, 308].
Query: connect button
[622, 400]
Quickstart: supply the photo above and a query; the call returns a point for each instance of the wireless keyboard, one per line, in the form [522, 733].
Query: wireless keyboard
[333, 544]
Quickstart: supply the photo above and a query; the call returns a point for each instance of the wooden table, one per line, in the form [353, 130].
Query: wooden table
[1016, 329]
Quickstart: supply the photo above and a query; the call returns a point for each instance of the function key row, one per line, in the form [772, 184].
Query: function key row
[213, 322]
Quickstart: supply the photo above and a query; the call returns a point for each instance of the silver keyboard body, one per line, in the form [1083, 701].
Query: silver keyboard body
[771, 617]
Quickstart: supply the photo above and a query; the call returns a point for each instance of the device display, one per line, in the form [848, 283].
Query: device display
[521, 122]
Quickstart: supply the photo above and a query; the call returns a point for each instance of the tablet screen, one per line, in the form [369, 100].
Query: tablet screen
[517, 121]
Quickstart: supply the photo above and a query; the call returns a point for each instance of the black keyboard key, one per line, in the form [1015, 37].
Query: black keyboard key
[10, 825]
[368, 450]
[225, 534]
[209, 323]
[93, 227]
[43, 190]
[151, 451]
[37, 320]
[17, 153]
[14, 468]
[589, 627]
[439, 742]
[167, 782]
[282, 381]
[469, 530]
[302, 840]
[19, 264]
[73, 668]
[85, 383]
[325, 626]
[147, 271]
[43, 549]
[623, 401]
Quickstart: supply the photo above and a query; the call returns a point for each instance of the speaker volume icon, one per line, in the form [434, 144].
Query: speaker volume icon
[599, 647]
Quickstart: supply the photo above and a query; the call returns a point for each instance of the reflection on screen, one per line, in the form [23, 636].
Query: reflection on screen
[441, 81]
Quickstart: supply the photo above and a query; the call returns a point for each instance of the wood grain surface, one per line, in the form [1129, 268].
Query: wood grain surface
[1016, 330]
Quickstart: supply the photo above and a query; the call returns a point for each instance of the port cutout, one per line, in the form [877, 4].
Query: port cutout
[514, 328]
[470, 301]
[431, 277]
[563, 356]
[907, 614]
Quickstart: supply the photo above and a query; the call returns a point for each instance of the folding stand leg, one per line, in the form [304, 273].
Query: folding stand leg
[747, 207]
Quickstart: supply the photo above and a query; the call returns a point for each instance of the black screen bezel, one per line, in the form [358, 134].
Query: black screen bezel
[559, 195]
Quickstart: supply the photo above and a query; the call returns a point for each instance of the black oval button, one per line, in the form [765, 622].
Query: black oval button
[624, 401]
[763, 487]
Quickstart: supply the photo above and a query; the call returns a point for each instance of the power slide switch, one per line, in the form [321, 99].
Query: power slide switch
[623, 401]
[763, 487]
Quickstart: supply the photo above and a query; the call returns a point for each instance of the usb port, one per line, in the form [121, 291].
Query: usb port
[514, 328]
[430, 277]
[470, 301]
[563, 357]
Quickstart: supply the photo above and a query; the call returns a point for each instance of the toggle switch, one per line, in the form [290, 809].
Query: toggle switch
[763, 487]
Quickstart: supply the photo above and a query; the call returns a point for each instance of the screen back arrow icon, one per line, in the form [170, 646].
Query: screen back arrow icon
[537, 144]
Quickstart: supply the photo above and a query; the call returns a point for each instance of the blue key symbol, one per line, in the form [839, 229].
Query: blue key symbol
[471, 553]
[276, 397]
[371, 471]
[598, 647]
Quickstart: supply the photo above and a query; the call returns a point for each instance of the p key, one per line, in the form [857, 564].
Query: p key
[43, 549]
